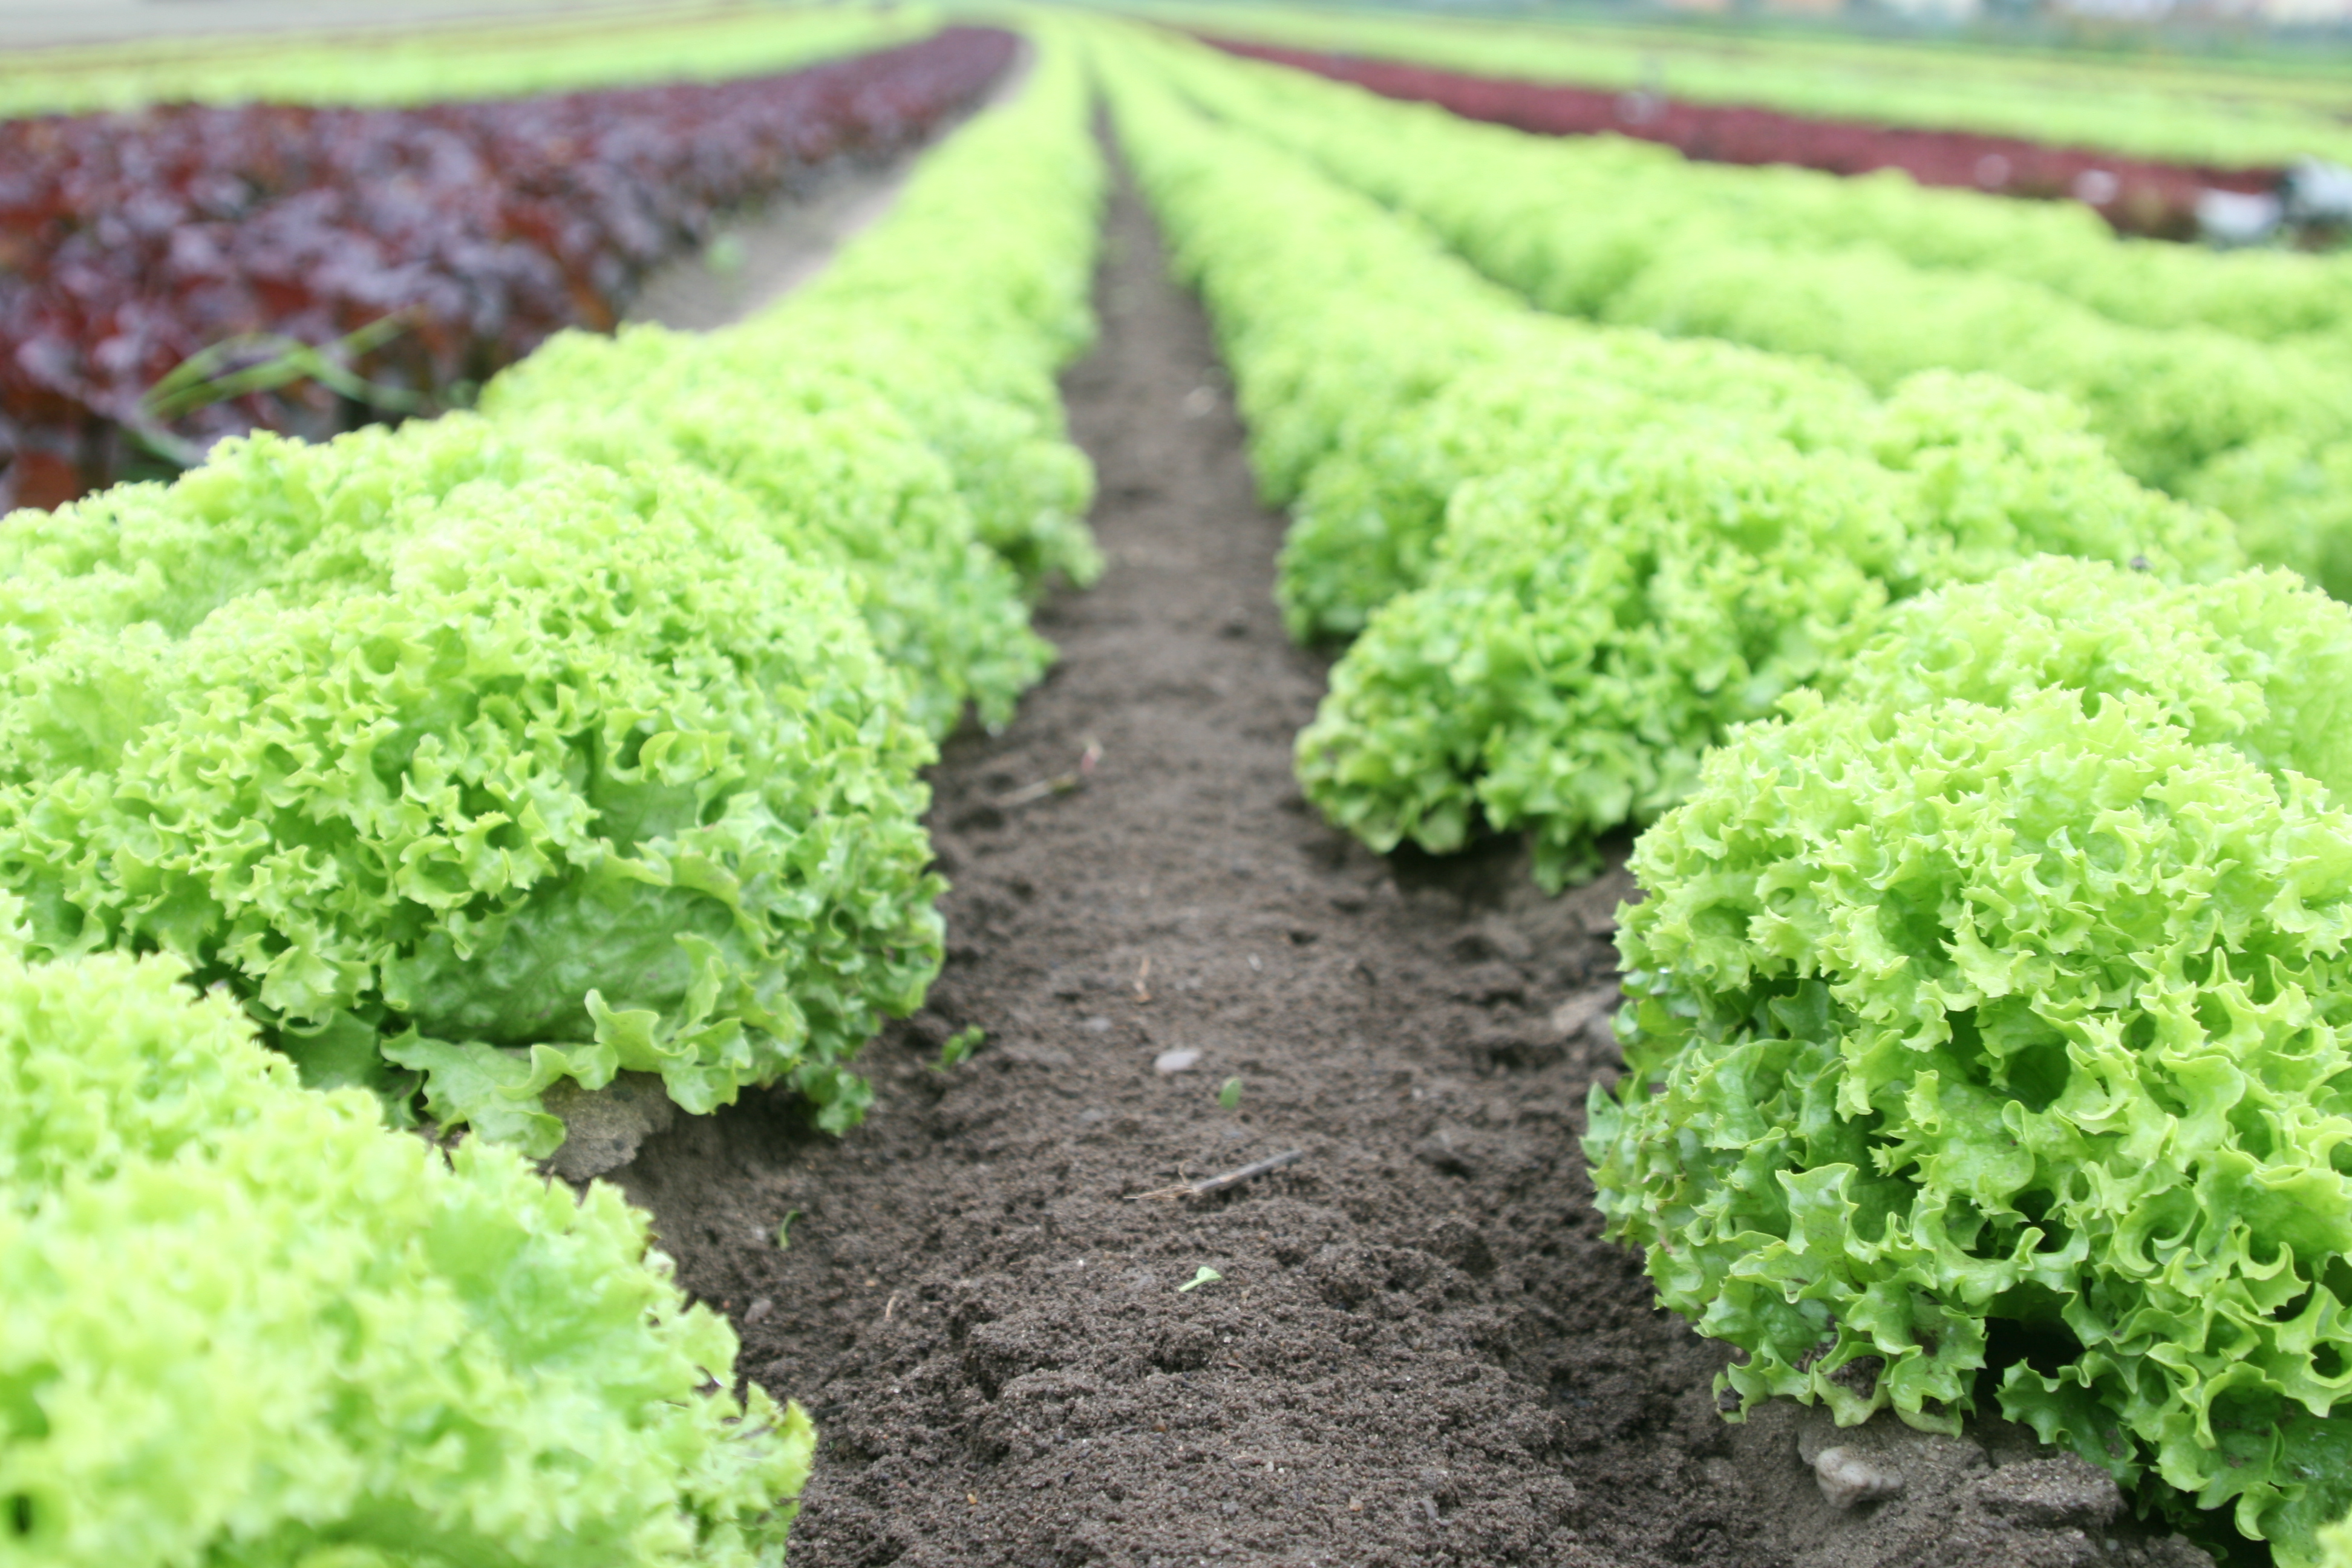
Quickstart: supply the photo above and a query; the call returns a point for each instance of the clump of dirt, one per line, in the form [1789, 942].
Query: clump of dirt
[1883, 1496]
[1416, 1349]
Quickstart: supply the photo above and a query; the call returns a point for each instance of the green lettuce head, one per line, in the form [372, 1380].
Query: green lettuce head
[2028, 1011]
[243, 1324]
[554, 780]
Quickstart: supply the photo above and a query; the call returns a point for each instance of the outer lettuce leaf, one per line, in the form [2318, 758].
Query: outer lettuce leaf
[2260, 662]
[242, 1324]
[1945, 1013]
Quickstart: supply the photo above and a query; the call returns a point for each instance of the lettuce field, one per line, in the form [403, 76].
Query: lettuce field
[161, 259]
[1292, 826]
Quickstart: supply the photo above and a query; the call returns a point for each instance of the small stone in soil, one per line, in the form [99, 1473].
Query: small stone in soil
[1848, 1479]
[1167, 1062]
[1571, 1016]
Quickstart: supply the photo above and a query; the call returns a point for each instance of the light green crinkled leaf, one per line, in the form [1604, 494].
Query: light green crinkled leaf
[494, 1091]
[1997, 472]
[543, 741]
[1942, 1013]
[2260, 662]
[2336, 1545]
[1604, 624]
[2291, 495]
[829, 460]
[336, 1345]
[1369, 516]
[825, 468]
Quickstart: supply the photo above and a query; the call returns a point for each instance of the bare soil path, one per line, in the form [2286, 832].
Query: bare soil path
[985, 1322]
[758, 257]
[1418, 1350]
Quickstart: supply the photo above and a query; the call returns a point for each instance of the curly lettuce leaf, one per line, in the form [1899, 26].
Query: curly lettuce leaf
[1952, 1014]
[336, 1343]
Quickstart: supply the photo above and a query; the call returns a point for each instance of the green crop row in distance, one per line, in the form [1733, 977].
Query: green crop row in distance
[2213, 115]
[2287, 71]
[1999, 986]
[581, 735]
[1631, 236]
[504, 60]
[2296, 298]
[1576, 555]
[2269, 296]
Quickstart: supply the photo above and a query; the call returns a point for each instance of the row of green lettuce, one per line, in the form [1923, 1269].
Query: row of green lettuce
[1990, 965]
[1635, 237]
[583, 733]
[2227, 114]
[1577, 554]
[574, 737]
[414, 63]
[2298, 298]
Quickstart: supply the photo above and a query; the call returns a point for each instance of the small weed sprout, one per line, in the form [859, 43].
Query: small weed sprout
[1229, 1093]
[959, 1047]
[725, 255]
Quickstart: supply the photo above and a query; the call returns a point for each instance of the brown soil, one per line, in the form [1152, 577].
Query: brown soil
[1419, 1350]
[757, 258]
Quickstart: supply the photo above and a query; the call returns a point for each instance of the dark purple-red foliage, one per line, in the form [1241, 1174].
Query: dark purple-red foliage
[130, 241]
[2135, 196]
